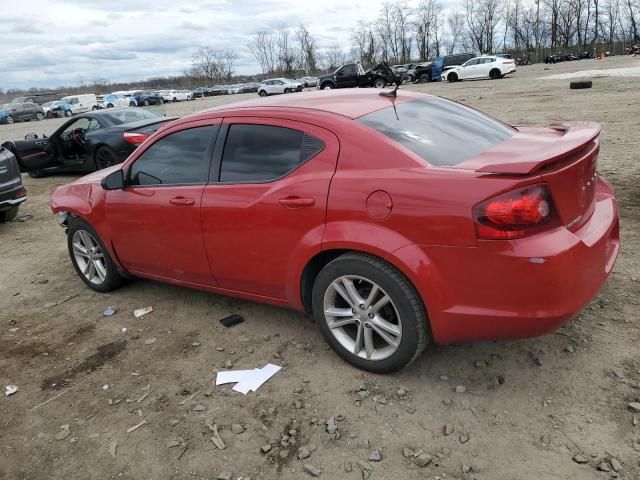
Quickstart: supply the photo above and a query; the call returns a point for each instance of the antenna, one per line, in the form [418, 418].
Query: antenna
[392, 93]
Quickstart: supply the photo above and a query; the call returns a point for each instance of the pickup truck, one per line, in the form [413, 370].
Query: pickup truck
[353, 75]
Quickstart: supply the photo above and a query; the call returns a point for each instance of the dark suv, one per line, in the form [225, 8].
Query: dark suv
[18, 112]
[148, 98]
[12, 192]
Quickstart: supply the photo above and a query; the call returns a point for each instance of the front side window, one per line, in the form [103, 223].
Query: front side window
[262, 153]
[440, 131]
[349, 70]
[180, 158]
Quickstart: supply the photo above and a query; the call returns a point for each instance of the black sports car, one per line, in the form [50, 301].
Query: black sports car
[87, 142]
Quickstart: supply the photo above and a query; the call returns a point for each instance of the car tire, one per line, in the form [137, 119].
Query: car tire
[424, 78]
[9, 214]
[132, 104]
[403, 312]
[162, 101]
[37, 174]
[287, 90]
[379, 83]
[39, 116]
[109, 105]
[49, 115]
[452, 77]
[10, 119]
[579, 85]
[495, 74]
[102, 276]
[105, 157]
[299, 88]
[146, 103]
[68, 113]
[327, 86]
[262, 93]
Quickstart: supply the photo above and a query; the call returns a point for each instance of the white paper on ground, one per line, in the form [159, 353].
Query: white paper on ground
[247, 380]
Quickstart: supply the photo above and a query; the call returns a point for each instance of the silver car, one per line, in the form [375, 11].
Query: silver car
[276, 86]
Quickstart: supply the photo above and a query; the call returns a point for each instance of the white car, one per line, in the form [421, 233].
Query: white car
[174, 95]
[276, 86]
[114, 100]
[481, 67]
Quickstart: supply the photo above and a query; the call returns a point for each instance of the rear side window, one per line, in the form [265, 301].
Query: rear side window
[440, 131]
[180, 158]
[261, 153]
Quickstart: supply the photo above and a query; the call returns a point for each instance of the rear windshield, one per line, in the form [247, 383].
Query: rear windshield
[440, 131]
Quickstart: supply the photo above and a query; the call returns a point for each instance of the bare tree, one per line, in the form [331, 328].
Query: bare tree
[263, 48]
[308, 50]
[332, 58]
[455, 22]
[211, 64]
[428, 23]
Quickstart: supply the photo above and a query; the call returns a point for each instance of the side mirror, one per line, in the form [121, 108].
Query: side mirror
[30, 136]
[113, 181]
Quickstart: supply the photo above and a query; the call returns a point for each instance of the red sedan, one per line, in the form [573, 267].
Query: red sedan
[394, 221]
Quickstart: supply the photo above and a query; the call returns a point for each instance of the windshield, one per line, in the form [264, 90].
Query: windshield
[130, 115]
[440, 131]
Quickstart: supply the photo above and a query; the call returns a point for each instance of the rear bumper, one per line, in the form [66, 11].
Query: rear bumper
[15, 196]
[519, 288]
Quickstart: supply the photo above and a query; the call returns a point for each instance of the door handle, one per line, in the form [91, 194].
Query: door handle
[182, 201]
[297, 202]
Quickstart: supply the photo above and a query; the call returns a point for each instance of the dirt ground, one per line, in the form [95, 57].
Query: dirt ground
[529, 407]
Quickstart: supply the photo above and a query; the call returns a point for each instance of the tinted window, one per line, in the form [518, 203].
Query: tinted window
[178, 158]
[475, 61]
[260, 153]
[440, 131]
[349, 70]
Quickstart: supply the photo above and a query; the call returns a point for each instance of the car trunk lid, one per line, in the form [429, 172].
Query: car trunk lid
[563, 155]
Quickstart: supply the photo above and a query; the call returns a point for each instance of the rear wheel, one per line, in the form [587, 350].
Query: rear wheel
[49, 114]
[9, 214]
[262, 93]
[132, 104]
[105, 157]
[110, 105]
[90, 258]
[379, 83]
[452, 77]
[287, 90]
[495, 74]
[299, 88]
[39, 116]
[424, 78]
[146, 103]
[175, 99]
[68, 113]
[369, 313]
[10, 119]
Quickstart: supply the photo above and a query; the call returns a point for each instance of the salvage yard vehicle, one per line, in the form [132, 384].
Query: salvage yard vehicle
[146, 98]
[174, 95]
[114, 100]
[353, 75]
[20, 112]
[447, 62]
[12, 192]
[394, 219]
[88, 142]
[80, 103]
[276, 86]
[420, 73]
[493, 67]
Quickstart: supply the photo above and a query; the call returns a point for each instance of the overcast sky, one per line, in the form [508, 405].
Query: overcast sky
[69, 41]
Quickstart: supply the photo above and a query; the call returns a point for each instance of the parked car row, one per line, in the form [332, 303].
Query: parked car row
[567, 57]
[224, 90]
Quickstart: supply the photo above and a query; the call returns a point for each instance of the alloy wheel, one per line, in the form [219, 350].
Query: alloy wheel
[362, 317]
[89, 257]
[104, 158]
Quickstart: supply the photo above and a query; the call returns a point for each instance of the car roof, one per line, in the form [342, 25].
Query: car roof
[347, 103]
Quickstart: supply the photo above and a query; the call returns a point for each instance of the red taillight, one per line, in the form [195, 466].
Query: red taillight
[515, 214]
[134, 137]
[21, 192]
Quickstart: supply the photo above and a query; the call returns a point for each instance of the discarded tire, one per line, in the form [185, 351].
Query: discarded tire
[580, 85]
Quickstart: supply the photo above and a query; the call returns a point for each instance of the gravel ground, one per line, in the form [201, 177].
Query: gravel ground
[554, 407]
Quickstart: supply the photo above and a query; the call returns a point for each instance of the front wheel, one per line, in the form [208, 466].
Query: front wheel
[90, 258]
[495, 74]
[9, 214]
[424, 78]
[146, 103]
[39, 116]
[10, 119]
[262, 93]
[68, 113]
[452, 77]
[379, 83]
[299, 88]
[327, 86]
[370, 313]
[287, 90]
[132, 104]
[110, 105]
